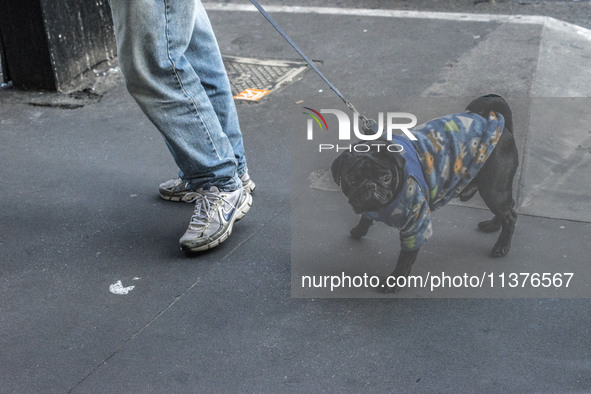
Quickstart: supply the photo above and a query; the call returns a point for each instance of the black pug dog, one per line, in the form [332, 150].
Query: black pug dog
[454, 156]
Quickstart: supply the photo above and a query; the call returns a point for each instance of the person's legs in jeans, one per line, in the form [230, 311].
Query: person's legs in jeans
[171, 67]
[215, 82]
[153, 38]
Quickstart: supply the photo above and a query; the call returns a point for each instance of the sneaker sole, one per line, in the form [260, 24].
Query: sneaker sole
[248, 187]
[172, 198]
[242, 211]
[175, 197]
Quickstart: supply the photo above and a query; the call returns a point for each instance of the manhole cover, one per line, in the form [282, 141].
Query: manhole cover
[251, 79]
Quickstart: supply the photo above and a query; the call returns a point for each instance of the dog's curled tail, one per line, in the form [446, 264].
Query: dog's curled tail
[492, 102]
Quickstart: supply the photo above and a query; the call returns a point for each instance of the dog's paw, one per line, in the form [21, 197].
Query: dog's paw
[358, 232]
[362, 228]
[490, 226]
[386, 289]
[500, 250]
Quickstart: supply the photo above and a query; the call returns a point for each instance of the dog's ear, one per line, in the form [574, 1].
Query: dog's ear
[339, 166]
[395, 161]
[391, 159]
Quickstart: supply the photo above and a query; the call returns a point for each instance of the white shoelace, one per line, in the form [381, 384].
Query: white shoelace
[206, 202]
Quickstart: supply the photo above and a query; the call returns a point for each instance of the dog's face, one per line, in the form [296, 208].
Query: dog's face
[370, 180]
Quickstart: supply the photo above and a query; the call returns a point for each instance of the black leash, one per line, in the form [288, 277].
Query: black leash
[368, 124]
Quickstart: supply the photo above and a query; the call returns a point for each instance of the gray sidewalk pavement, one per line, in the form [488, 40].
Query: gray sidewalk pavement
[79, 211]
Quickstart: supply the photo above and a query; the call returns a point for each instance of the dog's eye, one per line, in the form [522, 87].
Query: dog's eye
[386, 178]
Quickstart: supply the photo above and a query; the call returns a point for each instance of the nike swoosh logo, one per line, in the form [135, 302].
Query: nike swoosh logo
[228, 215]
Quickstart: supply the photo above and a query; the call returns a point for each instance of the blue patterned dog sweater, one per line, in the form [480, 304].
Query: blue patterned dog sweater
[445, 158]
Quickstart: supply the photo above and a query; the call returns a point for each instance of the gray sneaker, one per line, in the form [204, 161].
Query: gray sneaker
[247, 183]
[213, 218]
[179, 190]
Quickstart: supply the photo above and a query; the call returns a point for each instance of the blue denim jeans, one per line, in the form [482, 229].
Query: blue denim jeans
[173, 68]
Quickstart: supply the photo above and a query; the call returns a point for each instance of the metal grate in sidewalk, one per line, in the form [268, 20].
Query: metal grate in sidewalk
[261, 74]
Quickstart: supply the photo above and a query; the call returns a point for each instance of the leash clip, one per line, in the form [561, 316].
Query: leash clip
[369, 126]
